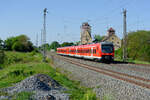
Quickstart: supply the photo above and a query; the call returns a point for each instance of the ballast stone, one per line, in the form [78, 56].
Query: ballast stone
[42, 86]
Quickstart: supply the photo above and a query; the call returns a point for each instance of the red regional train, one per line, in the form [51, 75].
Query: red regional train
[99, 51]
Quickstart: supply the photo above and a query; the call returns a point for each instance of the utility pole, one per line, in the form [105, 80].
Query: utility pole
[44, 36]
[124, 36]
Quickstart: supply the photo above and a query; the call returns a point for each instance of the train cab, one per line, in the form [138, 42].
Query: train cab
[107, 51]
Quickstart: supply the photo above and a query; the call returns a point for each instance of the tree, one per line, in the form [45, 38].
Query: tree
[47, 46]
[54, 45]
[77, 43]
[67, 44]
[138, 46]
[2, 57]
[2, 54]
[1, 44]
[98, 38]
[19, 43]
[9, 42]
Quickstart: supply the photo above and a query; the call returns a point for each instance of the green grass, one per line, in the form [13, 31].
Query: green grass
[17, 57]
[138, 62]
[23, 96]
[134, 61]
[108, 97]
[19, 66]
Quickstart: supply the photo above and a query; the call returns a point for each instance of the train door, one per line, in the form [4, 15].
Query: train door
[76, 51]
[89, 51]
[92, 51]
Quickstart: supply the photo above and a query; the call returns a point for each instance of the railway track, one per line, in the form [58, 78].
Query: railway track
[141, 69]
[139, 81]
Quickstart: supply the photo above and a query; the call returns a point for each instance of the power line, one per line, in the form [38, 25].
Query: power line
[110, 13]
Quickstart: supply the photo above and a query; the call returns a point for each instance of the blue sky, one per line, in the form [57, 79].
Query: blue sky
[65, 17]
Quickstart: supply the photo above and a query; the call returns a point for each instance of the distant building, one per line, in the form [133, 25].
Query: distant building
[111, 37]
[86, 33]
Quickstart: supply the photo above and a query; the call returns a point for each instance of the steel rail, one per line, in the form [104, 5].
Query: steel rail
[112, 73]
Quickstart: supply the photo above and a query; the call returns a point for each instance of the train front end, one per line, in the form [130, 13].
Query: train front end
[107, 51]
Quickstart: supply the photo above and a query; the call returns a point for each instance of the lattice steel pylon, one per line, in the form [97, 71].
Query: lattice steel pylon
[44, 36]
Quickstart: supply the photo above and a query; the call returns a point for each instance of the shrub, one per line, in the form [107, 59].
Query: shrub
[20, 43]
[138, 46]
[2, 56]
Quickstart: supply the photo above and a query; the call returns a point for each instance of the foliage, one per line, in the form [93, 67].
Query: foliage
[119, 53]
[89, 95]
[54, 45]
[64, 44]
[2, 57]
[1, 44]
[17, 57]
[47, 46]
[19, 43]
[9, 43]
[138, 46]
[108, 97]
[25, 67]
[23, 96]
[98, 38]
[77, 43]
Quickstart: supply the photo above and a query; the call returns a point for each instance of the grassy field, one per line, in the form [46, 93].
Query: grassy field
[19, 66]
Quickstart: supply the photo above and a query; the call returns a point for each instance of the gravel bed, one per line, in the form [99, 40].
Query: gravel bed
[122, 69]
[104, 86]
[42, 86]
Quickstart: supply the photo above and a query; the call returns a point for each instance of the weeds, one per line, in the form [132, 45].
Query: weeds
[22, 65]
[23, 96]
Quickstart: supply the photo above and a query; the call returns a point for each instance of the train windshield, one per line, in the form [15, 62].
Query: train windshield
[107, 48]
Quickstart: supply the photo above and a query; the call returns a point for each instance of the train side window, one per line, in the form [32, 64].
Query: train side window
[94, 51]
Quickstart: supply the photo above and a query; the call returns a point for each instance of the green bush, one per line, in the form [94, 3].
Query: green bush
[17, 57]
[19, 43]
[1, 44]
[118, 53]
[2, 56]
[17, 46]
[24, 96]
[138, 46]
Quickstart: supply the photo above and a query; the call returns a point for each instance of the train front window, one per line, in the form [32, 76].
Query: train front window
[107, 48]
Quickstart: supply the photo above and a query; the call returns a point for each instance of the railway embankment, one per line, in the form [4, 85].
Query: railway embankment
[109, 81]
[24, 76]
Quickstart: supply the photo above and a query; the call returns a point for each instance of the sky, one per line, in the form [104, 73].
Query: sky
[65, 17]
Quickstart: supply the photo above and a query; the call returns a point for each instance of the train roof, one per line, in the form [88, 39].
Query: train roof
[92, 44]
[107, 43]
